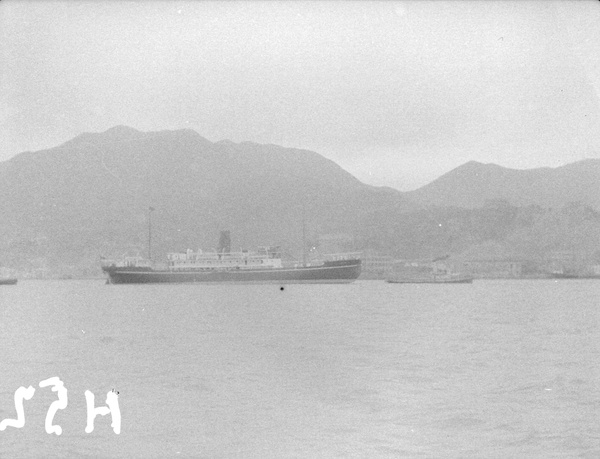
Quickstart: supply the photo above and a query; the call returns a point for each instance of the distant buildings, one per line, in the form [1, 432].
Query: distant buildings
[495, 269]
[376, 265]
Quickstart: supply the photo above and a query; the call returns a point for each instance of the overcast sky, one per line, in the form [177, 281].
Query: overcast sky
[397, 93]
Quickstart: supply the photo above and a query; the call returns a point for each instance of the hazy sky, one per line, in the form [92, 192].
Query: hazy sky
[397, 93]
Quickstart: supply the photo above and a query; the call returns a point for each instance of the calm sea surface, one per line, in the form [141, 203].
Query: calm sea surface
[494, 369]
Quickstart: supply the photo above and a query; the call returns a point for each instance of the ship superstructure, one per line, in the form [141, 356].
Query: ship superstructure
[264, 257]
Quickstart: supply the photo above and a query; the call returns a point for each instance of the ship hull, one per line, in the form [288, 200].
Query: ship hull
[329, 273]
[563, 276]
[9, 281]
[460, 280]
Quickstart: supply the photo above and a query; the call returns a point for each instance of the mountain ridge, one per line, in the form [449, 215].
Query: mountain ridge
[96, 189]
[90, 196]
[472, 184]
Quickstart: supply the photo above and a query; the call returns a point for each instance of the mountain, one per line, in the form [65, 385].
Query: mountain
[90, 196]
[473, 183]
[64, 207]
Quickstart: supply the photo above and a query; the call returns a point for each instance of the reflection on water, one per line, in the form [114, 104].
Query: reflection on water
[489, 369]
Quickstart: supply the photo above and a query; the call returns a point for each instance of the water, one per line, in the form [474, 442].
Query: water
[493, 369]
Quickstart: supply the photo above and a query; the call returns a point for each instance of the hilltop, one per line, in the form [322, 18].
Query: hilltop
[474, 183]
[65, 207]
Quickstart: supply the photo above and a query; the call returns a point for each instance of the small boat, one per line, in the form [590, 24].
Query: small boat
[455, 279]
[8, 281]
[563, 274]
[424, 273]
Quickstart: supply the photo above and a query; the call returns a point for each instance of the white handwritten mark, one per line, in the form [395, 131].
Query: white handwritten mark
[20, 394]
[60, 404]
[112, 400]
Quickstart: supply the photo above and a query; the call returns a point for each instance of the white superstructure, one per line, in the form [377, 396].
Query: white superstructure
[265, 257]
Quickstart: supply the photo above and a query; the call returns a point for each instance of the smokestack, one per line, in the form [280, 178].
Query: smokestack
[224, 242]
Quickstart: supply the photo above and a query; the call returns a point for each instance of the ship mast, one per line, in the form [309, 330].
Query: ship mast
[150, 209]
[303, 235]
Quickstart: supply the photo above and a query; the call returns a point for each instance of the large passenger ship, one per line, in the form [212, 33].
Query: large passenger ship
[262, 266]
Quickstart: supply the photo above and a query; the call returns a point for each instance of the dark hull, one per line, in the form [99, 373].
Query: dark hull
[563, 276]
[10, 281]
[574, 276]
[330, 272]
[464, 280]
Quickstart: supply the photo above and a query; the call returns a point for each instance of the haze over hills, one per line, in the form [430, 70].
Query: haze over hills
[473, 183]
[91, 195]
[65, 207]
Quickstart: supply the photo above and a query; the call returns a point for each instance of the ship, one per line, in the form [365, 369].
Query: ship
[7, 276]
[433, 279]
[572, 274]
[564, 275]
[262, 266]
[428, 273]
[8, 281]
